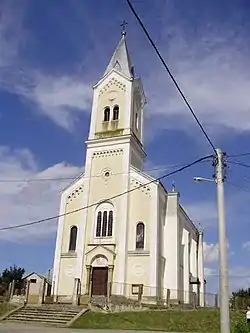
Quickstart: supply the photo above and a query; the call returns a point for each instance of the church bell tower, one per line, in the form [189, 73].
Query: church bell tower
[118, 105]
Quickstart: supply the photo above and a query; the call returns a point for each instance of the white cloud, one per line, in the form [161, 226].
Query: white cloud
[29, 201]
[210, 252]
[238, 277]
[214, 73]
[11, 32]
[212, 70]
[210, 271]
[59, 98]
[204, 212]
[246, 245]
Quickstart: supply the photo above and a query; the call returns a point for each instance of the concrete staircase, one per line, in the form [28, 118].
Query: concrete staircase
[47, 314]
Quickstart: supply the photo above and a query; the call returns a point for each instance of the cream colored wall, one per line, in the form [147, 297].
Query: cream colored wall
[74, 202]
[186, 265]
[189, 257]
[135, 160]
[67, 276]
[68, 261]
[139, 211]
[34, 288]
[172, 244]
[137, 270]
[138, 264]
[101, 187]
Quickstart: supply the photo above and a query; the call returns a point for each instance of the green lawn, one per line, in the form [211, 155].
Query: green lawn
[5, 307]
[178, 321]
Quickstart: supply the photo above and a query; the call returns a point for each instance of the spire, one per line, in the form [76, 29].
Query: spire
[120, 59]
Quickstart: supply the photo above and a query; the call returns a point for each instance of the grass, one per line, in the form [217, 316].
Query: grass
[177, 321]
[5, 307]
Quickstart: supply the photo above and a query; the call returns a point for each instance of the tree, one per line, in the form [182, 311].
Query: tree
[240, 299]
[12, 274]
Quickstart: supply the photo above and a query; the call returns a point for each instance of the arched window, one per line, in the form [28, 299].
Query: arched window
[99, 224]
[104, 223]
[104, 220]
[110, 223]
[106, 114]
[116, 112]
[72, 239]
[140, 235]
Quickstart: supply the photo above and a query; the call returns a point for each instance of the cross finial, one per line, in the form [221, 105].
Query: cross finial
[123, 25]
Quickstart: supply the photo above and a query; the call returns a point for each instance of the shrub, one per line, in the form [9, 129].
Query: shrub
[241, 327]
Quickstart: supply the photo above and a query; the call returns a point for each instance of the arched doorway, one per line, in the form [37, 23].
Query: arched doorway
[99, 276]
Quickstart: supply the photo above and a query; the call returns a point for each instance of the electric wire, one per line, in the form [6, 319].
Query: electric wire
[31, 180]
[238, 163]
[105, 199]
[170, 74]
[236, 186]
[239, 155]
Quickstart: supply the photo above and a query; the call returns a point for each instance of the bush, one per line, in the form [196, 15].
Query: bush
[241, 327]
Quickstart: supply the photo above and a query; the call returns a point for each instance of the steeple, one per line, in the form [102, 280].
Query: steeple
[118, 107]
[120, 59]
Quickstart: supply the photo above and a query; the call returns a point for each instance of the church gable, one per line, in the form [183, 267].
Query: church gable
[113, 85]
[136, 184]
[75, 192]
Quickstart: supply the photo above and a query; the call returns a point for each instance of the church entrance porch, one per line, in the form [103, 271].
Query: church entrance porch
[99, 281]
[99, 272]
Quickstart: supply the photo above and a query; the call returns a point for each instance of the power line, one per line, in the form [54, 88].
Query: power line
[239, 163]
[238, 155]
[238, 187]
[111, 198]
[171, 75]
[31, 180]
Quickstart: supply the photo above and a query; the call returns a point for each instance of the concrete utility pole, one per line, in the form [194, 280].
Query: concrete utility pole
[224, 294]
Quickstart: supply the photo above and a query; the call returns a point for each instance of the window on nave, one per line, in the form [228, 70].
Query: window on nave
[104, 223]
[140, 236]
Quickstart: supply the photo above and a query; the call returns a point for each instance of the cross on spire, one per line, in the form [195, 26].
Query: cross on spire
[123, 26]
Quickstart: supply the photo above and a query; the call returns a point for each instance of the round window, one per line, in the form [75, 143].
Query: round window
[106, 173]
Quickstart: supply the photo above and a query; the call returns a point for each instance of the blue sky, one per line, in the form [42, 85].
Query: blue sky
[51, 53]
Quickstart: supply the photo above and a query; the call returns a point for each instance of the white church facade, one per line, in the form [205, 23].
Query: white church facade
[132, 232]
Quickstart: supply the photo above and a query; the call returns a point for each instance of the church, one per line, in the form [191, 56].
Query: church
[119, 229]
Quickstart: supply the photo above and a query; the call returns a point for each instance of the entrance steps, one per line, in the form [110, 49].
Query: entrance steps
[46, 314]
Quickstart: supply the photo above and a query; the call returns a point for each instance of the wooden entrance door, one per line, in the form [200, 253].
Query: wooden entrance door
[99, 281]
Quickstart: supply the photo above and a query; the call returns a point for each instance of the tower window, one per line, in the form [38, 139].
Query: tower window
[106, 114]
[140, 236]
[116, 112]
[72, 239]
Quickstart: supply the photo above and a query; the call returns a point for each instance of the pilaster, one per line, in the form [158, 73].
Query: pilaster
[201, 269]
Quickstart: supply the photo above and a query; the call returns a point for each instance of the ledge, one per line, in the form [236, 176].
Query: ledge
[138, 253]
[69, 255]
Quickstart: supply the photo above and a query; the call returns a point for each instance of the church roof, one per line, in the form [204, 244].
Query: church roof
[120, 59]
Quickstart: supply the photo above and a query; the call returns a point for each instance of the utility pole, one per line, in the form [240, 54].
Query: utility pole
[224, 294]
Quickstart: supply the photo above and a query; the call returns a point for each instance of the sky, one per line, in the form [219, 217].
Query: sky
[51, 53]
